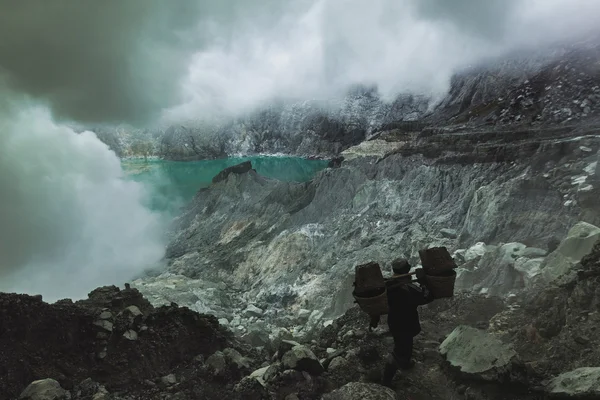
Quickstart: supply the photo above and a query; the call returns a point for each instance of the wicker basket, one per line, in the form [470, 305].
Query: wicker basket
[368, 277]
[375, 305]
[436, 261]
[441, 286]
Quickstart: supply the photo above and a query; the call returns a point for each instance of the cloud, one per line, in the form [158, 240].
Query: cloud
[97, 61]
[320, 47]
[126, 61]
[487, 19]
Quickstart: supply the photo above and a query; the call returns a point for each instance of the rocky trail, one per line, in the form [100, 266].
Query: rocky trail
[114, 345]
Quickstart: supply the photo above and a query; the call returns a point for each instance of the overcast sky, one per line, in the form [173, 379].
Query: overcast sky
[129, 61]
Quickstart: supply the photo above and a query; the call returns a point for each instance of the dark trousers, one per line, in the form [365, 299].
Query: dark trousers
[399, 358]
[403, 349]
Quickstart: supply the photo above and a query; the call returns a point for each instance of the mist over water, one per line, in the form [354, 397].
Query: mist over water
[173, 184]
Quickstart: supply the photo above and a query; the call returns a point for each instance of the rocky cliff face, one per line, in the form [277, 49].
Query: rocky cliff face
[308, 128]
[286, 247]
[537, 89]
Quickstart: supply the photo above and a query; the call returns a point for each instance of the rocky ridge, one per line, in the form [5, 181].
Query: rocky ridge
[560, 85]
[288, 247]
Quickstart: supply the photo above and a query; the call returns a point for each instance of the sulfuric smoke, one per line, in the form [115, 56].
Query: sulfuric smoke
[69, 221]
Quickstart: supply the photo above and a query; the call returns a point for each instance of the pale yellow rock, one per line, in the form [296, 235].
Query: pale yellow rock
[559, 264]
[372, 148]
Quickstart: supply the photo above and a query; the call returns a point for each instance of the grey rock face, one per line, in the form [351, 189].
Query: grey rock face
[202, 296]
[361, 391]
[45, 389]
[554, 86]
[286, 243]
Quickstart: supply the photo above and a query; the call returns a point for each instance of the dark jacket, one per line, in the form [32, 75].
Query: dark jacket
[403, 300]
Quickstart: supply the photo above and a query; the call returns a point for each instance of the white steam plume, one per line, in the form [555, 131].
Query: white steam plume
[69, 221]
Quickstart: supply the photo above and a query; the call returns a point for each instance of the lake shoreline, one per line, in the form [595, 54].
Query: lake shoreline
[172, 183]
[238, 155]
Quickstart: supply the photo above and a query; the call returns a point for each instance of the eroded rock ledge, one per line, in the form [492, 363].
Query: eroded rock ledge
[290, 248]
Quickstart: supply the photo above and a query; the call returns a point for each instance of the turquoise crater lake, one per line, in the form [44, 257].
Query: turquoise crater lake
[172, 184]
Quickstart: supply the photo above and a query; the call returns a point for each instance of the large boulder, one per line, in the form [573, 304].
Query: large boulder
[253, 311]
[45, 389]
[236, 359]
[473, 253]
[361, 391]
[580, 383]
[302, 358]
[478, 354]
[259, 374]
[257, 334]
[558, 266]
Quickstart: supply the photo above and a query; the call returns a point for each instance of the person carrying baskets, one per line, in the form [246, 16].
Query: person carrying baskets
[403, 318]
[399, 298]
